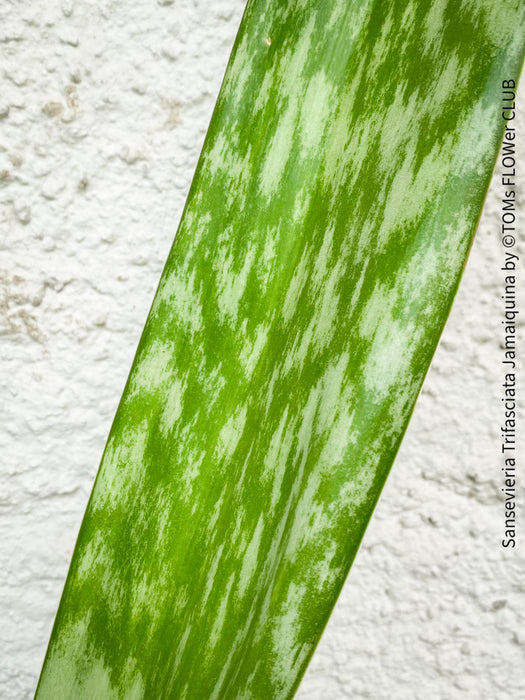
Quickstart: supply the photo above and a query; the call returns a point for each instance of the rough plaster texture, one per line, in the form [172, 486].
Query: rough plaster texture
[103, 110]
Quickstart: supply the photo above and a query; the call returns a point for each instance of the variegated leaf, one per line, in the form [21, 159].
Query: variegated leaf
[318, 254]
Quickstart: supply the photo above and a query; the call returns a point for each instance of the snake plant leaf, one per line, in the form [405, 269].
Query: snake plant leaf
[317, 257]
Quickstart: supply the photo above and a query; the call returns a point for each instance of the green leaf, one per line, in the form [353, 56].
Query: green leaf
[321, 245]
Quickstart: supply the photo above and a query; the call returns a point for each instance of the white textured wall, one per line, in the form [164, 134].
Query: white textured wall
[103, 109]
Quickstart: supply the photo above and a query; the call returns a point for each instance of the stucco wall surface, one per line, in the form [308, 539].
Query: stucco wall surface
[103, 110]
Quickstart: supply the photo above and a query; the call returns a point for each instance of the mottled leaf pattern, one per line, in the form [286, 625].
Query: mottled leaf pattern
[319, 251]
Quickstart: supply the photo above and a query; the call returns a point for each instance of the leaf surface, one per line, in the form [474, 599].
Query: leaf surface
[321, 245]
